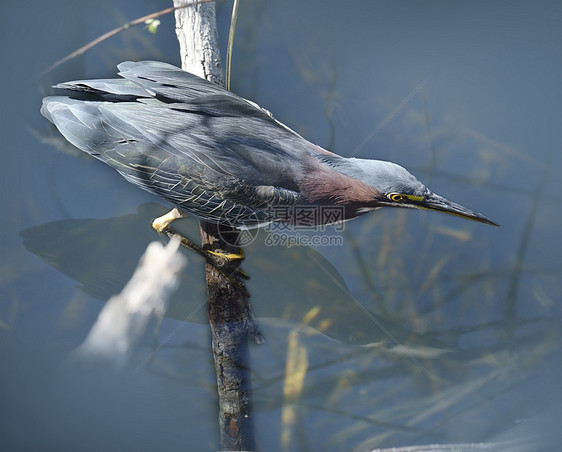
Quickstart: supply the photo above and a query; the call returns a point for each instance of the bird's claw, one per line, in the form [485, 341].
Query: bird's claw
[225, 260]
[229, 256]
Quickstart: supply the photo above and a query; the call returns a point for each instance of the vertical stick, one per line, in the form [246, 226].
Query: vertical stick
[230, 314]
[196, 29]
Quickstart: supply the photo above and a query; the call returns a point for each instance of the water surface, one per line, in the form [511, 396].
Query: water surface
[416, 328]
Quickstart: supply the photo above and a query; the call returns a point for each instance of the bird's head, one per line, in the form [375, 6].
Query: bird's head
[396, 187]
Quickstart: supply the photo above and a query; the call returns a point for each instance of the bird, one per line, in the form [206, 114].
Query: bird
[222, 158]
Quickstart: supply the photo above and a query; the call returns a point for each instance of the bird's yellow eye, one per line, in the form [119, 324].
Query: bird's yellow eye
[400, 197]
[396, 197]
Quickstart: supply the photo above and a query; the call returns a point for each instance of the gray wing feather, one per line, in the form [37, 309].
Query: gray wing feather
[109, 88]
[191, 142]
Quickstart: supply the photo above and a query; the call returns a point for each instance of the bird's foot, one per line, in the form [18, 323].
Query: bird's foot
[229, 256]
[162, 224]
[222, 261]
[226, 261]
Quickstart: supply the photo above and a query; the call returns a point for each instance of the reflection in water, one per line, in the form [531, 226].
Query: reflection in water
[416, 377]
[285, 282]
[102, 254]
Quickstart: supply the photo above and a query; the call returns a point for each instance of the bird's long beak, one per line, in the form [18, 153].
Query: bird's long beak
[440, 204]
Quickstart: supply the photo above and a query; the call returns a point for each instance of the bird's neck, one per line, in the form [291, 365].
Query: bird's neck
[328, 181]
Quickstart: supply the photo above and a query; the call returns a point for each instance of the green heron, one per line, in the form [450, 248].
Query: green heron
[222, 158]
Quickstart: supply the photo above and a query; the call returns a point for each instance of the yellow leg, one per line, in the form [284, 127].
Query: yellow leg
[161, 224]
[230, 256]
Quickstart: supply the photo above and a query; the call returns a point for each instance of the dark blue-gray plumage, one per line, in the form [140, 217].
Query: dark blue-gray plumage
[220, 157]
